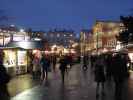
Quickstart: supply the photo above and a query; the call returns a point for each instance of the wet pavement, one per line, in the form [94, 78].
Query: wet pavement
[79, 85]
[21, 83]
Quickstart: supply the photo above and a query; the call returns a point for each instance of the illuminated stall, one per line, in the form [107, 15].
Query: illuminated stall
[17, 58]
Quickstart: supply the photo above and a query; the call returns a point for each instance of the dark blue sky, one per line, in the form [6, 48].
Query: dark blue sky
[69, 14]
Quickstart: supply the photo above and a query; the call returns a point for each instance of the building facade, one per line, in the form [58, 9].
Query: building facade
[61, 37]
[38, 35]
[104, 35]
[86, 42]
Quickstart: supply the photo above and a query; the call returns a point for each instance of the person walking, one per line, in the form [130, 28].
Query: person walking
[108, 61]
[70, 60]
[119, 72]
[99, 75]
[45, 63]
[36, 66]
[85, 62]
[54, 61]
[63, 67]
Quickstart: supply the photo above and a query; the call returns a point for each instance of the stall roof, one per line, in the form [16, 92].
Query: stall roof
[10, 48]
[26, 44]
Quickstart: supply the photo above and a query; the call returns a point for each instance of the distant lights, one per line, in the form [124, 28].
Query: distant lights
[21, 30]
[12, 25]
[71, 35]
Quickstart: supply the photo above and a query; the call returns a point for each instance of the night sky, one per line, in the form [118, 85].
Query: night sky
[68, 14]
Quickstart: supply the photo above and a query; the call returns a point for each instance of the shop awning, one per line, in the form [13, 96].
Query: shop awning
[10, 47]
[26, 44]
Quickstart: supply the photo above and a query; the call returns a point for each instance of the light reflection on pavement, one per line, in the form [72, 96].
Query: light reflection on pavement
[78, 86]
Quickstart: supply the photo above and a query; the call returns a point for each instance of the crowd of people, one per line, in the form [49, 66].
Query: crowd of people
[40, 66]
[105, 67]
[47, 63]
[109, 67]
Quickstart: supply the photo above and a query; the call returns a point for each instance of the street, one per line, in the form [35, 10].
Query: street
[79, 85]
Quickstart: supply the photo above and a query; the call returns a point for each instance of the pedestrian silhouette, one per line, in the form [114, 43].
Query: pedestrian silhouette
[54, 61]
[99, 75]
[70, 60]
[45, 63]
[63, 67]
[4, 79]
[119, 72]
[36, 66]
[85, 60]
[108, 61]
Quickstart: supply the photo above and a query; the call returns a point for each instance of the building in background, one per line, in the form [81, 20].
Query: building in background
[61, 37]
[17, 45]
[38, 35]
[104, 35]
[61, 41]
[86, 42]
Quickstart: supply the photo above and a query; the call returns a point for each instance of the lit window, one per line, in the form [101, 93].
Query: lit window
[64, 35]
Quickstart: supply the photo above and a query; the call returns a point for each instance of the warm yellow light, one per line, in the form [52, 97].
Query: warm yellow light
[53, 47]
[118, 46]
[34, 51]
[65, 50]
[75, 44]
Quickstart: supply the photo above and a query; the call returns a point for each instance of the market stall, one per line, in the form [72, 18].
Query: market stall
[17, 57]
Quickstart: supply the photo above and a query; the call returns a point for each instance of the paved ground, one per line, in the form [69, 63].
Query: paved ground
[79, 85]
[21, 83]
